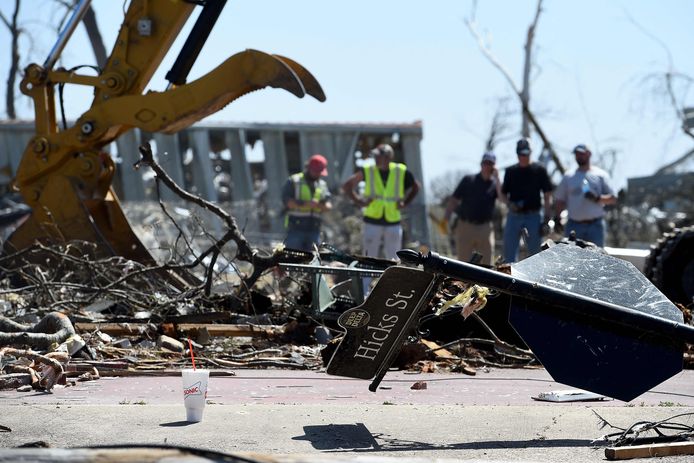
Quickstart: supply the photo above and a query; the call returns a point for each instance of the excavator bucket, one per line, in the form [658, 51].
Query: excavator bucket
[593, 320]
[100, 222]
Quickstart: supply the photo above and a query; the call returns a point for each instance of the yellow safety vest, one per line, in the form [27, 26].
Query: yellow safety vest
[302, 192]
[384, 198]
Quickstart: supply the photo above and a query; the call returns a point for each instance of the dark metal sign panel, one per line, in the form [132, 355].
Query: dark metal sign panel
[594, 351]
[608, 359]
[376, 329]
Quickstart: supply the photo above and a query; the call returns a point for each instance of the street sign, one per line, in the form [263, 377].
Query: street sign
[376, 329]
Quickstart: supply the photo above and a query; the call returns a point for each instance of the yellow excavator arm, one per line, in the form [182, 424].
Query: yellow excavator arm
[66, 177]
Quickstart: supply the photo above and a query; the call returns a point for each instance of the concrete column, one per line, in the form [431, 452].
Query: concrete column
[203, 174]
[169, 158]
[276, 173]
[13, 142]
[241, 179]
[345, 146]
[132, 187]
[321, 143]
[416, 212]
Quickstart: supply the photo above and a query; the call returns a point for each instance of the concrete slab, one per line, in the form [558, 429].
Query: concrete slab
[488, 417]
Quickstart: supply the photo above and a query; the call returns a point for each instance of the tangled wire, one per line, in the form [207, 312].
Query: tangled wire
[665, 430]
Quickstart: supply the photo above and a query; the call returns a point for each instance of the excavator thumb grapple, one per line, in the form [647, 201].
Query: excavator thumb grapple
[65, 175]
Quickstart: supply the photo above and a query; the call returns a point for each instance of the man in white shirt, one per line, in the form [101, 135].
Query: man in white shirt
[584, 193]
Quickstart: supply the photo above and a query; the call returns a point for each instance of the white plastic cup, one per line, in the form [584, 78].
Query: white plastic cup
[194, 392]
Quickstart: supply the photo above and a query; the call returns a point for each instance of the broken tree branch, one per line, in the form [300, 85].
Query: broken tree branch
[486, 51]
[53, 328]
[244, 250]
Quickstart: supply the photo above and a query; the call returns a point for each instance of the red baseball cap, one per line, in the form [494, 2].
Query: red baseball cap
[318, 162]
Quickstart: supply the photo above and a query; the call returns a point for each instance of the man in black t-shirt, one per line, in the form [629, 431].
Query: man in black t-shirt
[524, 184]
[473, 202]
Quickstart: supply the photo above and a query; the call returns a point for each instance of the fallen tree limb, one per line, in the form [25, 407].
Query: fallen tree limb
[55, 327]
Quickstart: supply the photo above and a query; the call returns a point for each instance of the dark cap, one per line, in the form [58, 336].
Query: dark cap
[581, 149]
[318, 163]
[523, 146]
[489, 157]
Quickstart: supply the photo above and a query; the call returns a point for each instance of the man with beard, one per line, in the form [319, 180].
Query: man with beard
[584, 193]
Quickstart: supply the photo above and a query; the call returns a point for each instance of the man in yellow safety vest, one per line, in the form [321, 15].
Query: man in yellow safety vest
[388, 188]
[306, 197]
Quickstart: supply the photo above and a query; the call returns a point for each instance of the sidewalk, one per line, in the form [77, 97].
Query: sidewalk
[488, 417]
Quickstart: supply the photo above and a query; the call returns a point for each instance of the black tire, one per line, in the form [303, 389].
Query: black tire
[670, 265]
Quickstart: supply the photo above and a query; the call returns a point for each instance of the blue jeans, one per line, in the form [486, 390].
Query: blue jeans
[302, 239]
[515, 222]
[593, 231]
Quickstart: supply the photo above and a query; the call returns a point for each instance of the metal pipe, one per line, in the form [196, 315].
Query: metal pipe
[66, 33]
[576, 303]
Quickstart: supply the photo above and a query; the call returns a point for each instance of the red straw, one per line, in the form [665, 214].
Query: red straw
[192, 357]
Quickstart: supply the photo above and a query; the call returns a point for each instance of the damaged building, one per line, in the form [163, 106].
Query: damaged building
[246, 164]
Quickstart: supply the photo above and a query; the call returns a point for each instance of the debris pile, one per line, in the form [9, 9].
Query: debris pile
[85, 314]
[69, 315]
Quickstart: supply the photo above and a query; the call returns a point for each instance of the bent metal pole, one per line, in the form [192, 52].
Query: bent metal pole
[577, 303]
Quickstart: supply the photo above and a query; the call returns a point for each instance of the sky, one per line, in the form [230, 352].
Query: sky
[398, 61]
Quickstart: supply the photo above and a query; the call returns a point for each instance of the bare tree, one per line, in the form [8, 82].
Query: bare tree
[525, 90]
[95, 38]
[522, 93]
[443, 186]
[12, 24]
[93, 31]
[15, 32]
[673, 87]
[499, 124]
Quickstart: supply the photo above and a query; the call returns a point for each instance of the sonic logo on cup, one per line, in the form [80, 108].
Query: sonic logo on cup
[192, 390]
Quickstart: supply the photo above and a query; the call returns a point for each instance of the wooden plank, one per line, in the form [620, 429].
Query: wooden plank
[650, 450]
[116, 329]
[438, 351]
[220, 329]
[14, 380]
[165, 372]
[223, 329]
